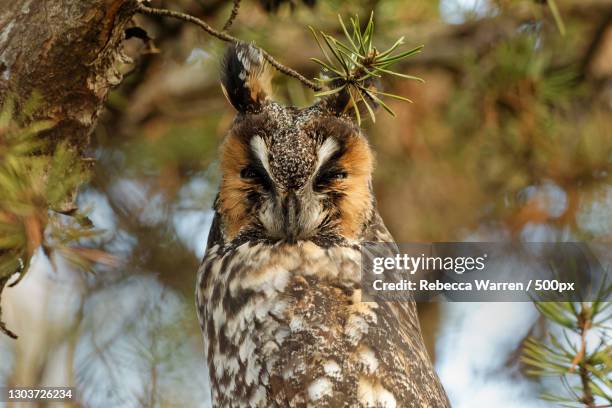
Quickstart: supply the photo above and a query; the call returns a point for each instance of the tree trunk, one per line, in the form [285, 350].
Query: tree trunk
[69, 52]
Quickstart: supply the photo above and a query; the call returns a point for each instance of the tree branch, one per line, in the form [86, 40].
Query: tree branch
[223, 36]
[232, 16]
[3, 327]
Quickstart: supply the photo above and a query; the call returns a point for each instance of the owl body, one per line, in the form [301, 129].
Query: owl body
[279, 289]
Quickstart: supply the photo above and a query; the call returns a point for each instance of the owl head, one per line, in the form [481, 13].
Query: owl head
[290, 174]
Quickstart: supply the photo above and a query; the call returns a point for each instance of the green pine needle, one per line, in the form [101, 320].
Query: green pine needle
[552, 4]
[38, 185]
[568, 355]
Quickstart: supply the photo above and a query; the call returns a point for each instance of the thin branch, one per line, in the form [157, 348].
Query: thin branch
[584, 323]
[223, 36]
[232, 16]
[3, 327]
[189, 18]
[585, 381]
[579, 357]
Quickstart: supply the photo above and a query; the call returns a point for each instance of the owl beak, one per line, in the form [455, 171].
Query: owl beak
[291, 210]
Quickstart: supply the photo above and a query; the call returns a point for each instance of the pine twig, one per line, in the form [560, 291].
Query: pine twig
[587, 396]
[352, 66]
[583, 328]
[232, 16]
[584, 323]
[223, 36]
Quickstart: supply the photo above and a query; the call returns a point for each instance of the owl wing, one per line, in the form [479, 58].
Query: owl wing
[377, 231]
[341, 351]
[215, 234]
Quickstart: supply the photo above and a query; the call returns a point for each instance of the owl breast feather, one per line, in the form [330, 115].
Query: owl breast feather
[284, 325]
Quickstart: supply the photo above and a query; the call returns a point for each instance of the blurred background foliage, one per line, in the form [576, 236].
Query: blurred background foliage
[509, 136]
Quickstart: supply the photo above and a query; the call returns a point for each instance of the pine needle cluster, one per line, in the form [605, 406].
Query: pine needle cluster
[38, 185]
[354, 65]
[581, 355]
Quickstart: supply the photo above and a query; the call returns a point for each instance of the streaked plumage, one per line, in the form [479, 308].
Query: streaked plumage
[279, 290]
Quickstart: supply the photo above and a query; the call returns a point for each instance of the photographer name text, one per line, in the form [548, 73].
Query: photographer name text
[539, 285]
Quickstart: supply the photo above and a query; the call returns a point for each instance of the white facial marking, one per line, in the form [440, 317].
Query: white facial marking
[261, 151]
[327, 149]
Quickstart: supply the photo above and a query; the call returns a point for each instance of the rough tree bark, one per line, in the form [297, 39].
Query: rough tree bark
[67, 51]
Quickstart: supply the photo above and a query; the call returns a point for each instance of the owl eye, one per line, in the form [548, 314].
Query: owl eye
[248, 173]
[326, 177]
[256, 174]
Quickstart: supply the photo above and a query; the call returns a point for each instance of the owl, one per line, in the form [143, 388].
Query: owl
[279, 292]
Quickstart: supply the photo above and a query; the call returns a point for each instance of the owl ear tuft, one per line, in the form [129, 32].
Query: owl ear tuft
[245, 78]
